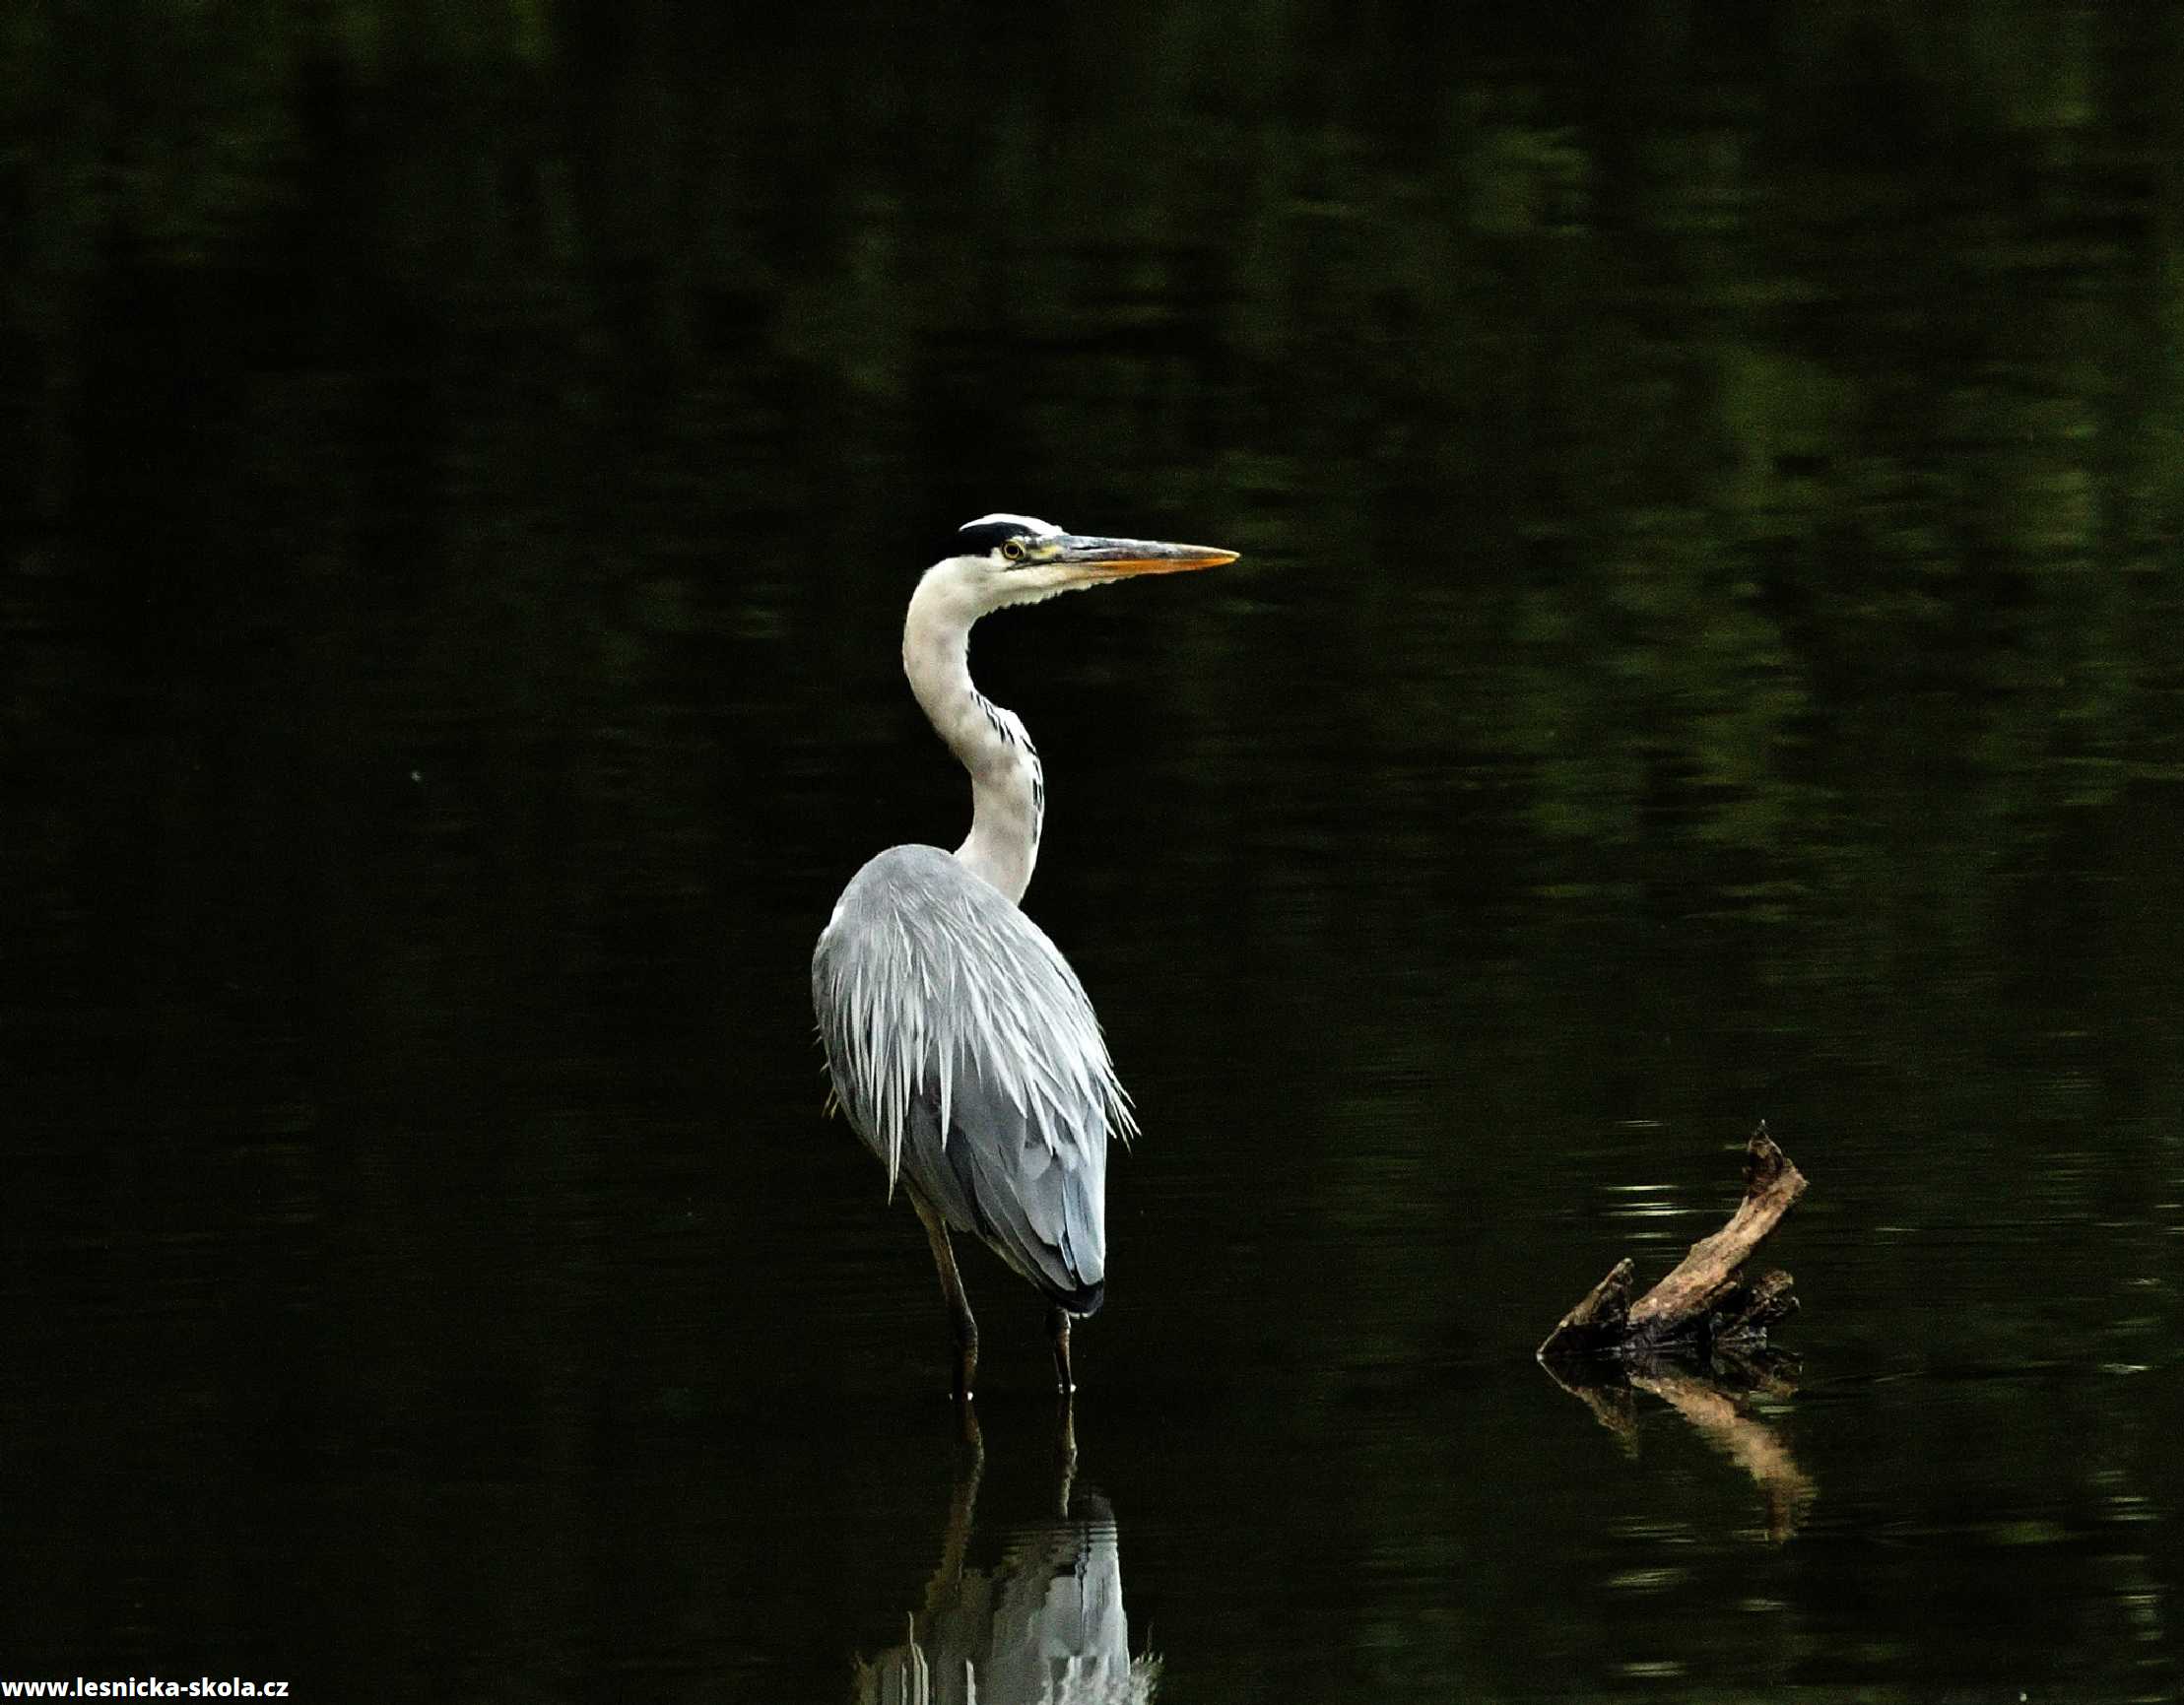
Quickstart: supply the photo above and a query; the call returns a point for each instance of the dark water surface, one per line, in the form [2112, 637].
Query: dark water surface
[1707, 649]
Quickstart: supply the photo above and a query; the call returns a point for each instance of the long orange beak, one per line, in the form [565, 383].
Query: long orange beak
[1111, 559]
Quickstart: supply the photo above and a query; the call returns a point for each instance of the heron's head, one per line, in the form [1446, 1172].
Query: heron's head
[1003, 559]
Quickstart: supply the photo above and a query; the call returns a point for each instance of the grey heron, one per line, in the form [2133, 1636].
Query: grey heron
[961, 1047]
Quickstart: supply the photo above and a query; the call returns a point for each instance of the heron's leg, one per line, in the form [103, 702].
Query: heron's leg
[948, 1580]
[1057, 1326]
[1065, 1452]
[951, 1287]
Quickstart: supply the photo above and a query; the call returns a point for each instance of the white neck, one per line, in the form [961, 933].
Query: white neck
[1007, 789]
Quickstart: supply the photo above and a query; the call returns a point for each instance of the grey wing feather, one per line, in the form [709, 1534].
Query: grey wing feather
[963, 1050]
[1040, 1206]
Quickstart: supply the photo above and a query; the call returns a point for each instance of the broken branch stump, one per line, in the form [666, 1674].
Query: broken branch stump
[1705, 1299]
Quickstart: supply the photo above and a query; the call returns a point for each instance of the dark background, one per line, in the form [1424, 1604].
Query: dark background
[1707, 647]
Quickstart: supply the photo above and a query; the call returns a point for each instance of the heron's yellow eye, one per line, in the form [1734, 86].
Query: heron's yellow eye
[1013, 549]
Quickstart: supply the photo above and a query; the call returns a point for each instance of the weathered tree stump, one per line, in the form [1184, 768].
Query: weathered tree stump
[1698, 1341]
[1705, 1303]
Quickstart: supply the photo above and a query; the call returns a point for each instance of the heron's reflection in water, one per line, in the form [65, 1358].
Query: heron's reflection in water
[1043, 1625]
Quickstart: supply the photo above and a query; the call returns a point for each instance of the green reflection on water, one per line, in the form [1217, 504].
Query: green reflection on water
[1706, 646]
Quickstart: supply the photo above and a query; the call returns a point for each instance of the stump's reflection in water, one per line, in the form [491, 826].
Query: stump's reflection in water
[1717, 1396]
[1042, 1625]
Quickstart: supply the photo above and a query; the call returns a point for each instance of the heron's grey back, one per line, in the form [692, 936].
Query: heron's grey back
[966, 1054]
